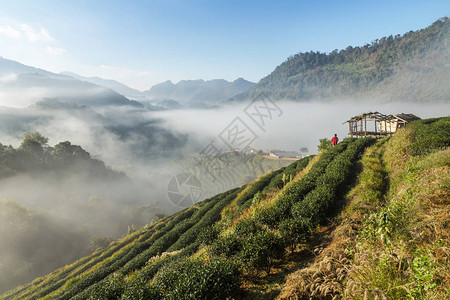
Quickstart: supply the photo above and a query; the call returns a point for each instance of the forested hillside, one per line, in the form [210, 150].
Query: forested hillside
[412, 67]
[52, 202]
[35, 156]
[367, 219]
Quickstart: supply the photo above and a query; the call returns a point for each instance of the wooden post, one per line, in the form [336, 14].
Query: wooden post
[365, 126]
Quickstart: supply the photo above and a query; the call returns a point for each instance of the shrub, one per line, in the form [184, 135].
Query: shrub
[246, 227]
[261, 249]
[324, 144]
[268, 216]
[208, 219]
[295, 231]
[227, 246]
[195, 279]
[257, 186]
[208, 235]
[137, 288]
[112, 289]
[429, 134]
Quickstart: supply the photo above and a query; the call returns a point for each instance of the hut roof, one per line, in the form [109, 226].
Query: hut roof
[407, 117]
[375, 116]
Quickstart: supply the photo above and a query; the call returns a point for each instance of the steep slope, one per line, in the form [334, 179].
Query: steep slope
[52, 201]
[24, 85]
[413, 67]
[393, 237]
[244, 242]
[109, 83]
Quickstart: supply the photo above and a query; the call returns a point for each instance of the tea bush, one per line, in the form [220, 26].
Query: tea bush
[196, 279]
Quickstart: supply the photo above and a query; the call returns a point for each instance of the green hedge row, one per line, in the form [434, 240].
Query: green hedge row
[59, 280]
[123, 258]
[324, 199]
[196, 279]
[281, 210]
[430, 134]
[141, 252]
[169, 237]
[212, 216]
[291, 170]
[256, 187]
[303, 206]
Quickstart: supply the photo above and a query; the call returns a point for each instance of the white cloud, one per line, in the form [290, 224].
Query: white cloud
[8, 78]
[34, 35]
[10, 32]
[56, 51]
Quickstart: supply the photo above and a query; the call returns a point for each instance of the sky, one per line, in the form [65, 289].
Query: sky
[142, 43]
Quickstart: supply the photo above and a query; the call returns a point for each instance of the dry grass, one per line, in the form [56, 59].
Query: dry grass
[414, 262]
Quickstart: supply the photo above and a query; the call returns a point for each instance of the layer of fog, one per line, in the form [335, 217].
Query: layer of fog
[147, 145]
[144, 144]
[299, 125]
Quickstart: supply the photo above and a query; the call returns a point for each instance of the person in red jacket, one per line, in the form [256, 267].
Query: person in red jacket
[334, 140]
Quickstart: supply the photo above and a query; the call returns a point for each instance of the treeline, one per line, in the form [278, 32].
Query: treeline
[316, 75]
[35, 156]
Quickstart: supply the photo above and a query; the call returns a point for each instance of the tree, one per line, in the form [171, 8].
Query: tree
[324, 144]
[33, 142]
[35, 136]
[100, 242]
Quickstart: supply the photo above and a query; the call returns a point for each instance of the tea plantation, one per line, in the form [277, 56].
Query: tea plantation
[222, 247]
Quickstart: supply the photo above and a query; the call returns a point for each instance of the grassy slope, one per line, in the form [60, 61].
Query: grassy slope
[391, 239]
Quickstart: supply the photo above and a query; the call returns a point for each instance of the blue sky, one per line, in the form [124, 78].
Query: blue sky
[141, 43]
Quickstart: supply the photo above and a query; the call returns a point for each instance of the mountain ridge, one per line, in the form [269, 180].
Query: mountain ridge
[21, 81]
[108, 83]
[198, 91]
[419, 60]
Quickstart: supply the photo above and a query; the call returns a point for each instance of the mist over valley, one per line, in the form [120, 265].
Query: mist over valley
[90, 165]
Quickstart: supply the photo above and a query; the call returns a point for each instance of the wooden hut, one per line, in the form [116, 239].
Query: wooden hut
[376, 124]
[395, 122]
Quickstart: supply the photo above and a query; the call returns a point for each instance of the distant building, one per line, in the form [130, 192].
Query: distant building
[376, 124]
[284, 154]
[249, 150]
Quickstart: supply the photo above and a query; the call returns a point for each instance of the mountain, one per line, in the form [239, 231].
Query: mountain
[413, 67]
[367, 218]
[62, 198]
[12, 67]
[23, 85]
[109, 83]
[198, 92]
